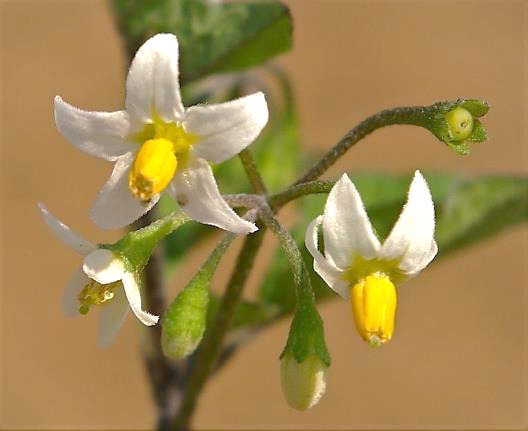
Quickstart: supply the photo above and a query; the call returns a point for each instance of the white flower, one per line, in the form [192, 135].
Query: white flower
[158, 144]
[357, 266]
[102, 280]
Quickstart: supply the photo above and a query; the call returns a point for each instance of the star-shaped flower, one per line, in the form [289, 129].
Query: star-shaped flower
[102, 280]
[358, 267]
[158, 145]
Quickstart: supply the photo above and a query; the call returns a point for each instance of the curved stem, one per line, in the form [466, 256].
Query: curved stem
[278, 200]
[415, 115]
[211, 347]
[257, 183]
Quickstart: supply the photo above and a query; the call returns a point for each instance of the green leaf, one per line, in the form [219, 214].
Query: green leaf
[467, 211]
[213, 38]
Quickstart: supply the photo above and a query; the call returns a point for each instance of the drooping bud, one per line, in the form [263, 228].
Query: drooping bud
[303, 383]
[374, 302]
[305, 358]
[184, 322]
[153, 169]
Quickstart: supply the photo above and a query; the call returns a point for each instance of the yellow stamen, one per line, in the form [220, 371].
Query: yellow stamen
[153, 169]
[374, 301]
[95, 293]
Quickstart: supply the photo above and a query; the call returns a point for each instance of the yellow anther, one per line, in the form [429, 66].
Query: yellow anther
[95, 293]
[459, 123]
[153, 169]
[374, 302]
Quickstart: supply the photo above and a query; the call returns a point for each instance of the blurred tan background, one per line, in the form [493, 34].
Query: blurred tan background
[459, 353]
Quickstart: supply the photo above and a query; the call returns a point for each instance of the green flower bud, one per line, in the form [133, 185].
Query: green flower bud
[305, 358]
[303, 383]
[184, 322]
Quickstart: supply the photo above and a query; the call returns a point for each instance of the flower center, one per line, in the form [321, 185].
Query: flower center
[374, 302]
[95, 293]
[165, 148]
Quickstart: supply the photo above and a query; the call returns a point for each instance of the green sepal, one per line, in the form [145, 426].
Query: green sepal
[479, 133]
[136, 247]
[184, 321]
[306, 336]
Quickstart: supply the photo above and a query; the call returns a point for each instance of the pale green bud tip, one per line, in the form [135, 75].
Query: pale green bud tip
[459, 123]
[180, 345]
[303, 384]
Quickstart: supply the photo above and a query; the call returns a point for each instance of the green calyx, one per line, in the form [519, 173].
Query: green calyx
[456, 123]
[136, 247]
[306, 336]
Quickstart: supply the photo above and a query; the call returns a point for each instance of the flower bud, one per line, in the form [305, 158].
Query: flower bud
[303, 383]
[184, 322]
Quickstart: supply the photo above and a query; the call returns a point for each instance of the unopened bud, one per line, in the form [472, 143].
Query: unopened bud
[184, 322]
[303, 383]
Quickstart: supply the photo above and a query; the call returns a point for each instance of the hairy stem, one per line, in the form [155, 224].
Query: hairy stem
[207, 356]
[415, 115]
[166, 377]
[278, 200]
[252, 172]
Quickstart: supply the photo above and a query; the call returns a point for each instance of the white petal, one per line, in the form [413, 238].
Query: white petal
[134, 299]
[152, 82]
[347, 230]
[112, 316]
[103, 266]
[100, 134]
[70, 300]
[329, 272]
[115, 206]
[227, 128]
[64, 233]
[196, 191]
[412, 237]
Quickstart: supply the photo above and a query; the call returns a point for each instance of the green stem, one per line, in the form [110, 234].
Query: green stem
[414, 115]
[207, 356]
[278, 200]
[300, 273]
[257, 183]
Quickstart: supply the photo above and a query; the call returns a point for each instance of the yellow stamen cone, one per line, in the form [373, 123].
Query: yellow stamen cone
[153, 169]
[374, 302]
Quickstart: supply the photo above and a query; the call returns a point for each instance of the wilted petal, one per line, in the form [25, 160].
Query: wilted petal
[412, 238]
[116, 207]
[196, 191]
[70, 300]
[134, 299]
[152, 82]
[329, 272]
[103, 266]
[227, 128]
[64, 233]
[112, 316]
[100, 134]
[346, 227]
